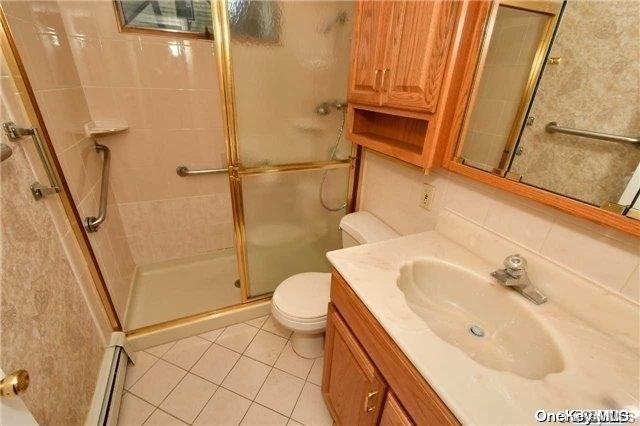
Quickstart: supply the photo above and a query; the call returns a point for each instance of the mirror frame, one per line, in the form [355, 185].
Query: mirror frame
[476, 21]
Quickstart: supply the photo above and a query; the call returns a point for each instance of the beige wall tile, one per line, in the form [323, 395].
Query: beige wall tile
[392, 191]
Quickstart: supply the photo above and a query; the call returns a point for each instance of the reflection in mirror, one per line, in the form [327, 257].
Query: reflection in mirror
[501, 93]
[596, 86]
[590, 81]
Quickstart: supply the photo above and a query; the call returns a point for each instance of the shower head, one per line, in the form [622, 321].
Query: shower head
[325, 107]
[341, 19]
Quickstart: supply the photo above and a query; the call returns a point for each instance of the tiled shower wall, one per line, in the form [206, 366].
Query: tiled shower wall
[52, 322]
[504, 76]
[41, 37]
[167, 89]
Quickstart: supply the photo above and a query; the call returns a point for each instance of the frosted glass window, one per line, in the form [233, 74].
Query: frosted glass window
[188, 16]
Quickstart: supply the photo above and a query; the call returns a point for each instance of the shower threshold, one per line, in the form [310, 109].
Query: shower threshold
[174, 289]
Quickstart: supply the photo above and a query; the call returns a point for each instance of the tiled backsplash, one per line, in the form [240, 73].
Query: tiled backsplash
[166, 88]
[392, 191]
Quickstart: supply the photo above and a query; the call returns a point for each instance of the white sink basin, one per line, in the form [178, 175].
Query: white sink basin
[456, 303]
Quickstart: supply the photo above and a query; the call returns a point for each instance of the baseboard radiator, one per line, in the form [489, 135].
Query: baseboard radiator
[105, 405]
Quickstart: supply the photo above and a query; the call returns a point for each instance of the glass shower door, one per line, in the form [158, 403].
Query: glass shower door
[290, 64]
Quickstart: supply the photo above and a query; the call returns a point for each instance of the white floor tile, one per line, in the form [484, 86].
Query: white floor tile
[212, 335]
[265, 347]
[257, 322]
[280, 392]
[292, 422]
[293, 363]
[259, 415]
[188, 398]
[144, 361]
[160, 418]
[187, 351]
[216, 363]
[246, 377]
[275, 327]
[310, 409]
[315, 375]
[160, 350]
[156, 383]
[133, 410]
[224, 408]
[237, 337]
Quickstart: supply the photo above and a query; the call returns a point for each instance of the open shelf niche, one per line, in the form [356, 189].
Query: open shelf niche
[398, 136]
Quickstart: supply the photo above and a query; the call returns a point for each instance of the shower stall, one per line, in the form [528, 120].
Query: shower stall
[228, 170]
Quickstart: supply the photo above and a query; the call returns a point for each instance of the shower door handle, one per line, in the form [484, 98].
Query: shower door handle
[15, 133]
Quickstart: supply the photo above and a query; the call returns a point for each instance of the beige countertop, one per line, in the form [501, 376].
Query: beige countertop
[594, 330]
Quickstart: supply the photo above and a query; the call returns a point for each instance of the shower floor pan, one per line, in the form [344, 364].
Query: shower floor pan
[175, 289]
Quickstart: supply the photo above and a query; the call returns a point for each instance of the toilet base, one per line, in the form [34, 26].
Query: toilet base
[308, 345]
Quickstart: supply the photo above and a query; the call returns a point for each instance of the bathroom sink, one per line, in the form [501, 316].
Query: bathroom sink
[477, 316]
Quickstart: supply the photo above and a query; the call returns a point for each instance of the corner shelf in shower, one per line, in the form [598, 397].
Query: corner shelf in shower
[99, 128]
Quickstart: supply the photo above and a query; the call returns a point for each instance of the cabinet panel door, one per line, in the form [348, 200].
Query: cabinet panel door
[393, 414]
[372, 31]
[422, 32]
[352, 386]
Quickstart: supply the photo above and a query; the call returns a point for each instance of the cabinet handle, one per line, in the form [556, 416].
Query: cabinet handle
[384, 79]
[375, 81]
[370, 401]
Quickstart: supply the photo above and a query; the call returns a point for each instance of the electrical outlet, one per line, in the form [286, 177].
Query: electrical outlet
[428, 192]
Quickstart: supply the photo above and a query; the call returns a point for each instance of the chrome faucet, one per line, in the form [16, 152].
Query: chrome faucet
[515, 276]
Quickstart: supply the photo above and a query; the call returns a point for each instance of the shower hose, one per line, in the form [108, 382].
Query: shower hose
[332, 157]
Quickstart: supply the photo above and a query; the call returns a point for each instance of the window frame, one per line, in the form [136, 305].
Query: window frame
[123, 27]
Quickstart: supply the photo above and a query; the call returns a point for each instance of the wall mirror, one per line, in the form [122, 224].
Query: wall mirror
[553, 103]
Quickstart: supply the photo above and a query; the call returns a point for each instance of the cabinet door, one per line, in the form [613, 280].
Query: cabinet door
[371, 33]
[393, 414]
[352, 386]
[422, 32]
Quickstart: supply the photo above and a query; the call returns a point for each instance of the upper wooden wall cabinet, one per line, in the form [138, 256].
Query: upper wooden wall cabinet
[401, 61]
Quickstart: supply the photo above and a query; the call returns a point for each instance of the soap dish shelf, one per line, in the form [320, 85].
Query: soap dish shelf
[96, 129]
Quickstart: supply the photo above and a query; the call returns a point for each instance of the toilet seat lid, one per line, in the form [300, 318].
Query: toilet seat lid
[304, 296]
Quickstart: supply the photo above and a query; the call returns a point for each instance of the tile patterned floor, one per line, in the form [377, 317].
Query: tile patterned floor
[246, 374]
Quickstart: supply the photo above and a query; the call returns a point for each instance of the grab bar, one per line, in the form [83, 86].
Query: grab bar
[15, 133]
[185, 171]
[553, 127]
[92, 223]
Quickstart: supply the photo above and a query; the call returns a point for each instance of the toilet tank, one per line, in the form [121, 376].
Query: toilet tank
[362, 228]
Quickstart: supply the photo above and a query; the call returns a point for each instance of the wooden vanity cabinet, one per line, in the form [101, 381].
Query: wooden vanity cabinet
[393, 414]
[367, 379]
[354, 387]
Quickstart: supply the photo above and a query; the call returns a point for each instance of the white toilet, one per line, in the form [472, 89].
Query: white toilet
[300, 302]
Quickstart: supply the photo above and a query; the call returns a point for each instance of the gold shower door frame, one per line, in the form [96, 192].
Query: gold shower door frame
[9, 49]
[222, 39]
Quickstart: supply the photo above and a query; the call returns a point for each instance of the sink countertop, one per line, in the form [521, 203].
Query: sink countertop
[600, 370]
